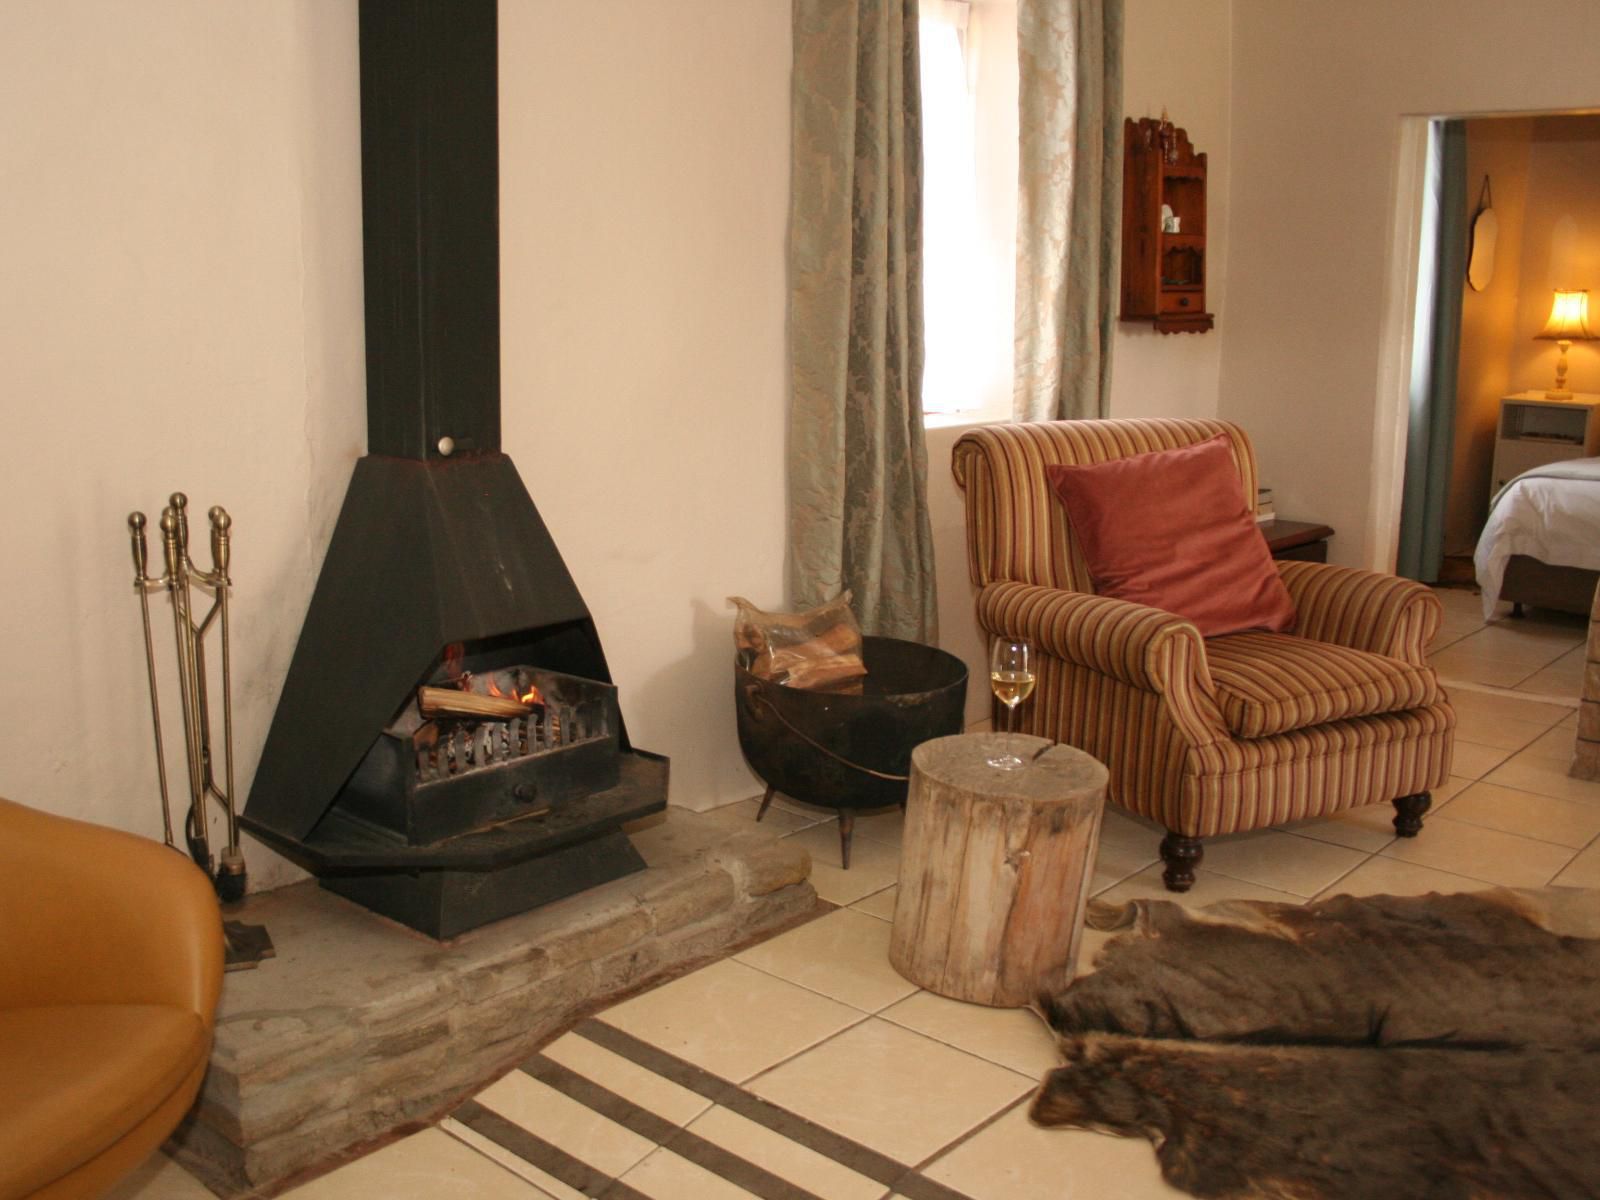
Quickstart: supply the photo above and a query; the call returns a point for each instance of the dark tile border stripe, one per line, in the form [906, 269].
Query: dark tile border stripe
[691, 1146]
[863, 1160]
[550, 1159]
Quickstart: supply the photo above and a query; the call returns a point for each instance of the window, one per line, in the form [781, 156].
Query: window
[969, 206]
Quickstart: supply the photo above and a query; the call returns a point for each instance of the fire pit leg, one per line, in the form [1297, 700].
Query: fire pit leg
[847, 826]
[765, 800]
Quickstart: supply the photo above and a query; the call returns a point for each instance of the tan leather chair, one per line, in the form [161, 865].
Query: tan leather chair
[110, 968]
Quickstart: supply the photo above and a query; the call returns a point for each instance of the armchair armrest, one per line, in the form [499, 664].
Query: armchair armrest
[1143, 647]
[1346, 606]
[97, 916]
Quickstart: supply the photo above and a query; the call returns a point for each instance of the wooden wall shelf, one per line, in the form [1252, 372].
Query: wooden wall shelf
[1163, 274]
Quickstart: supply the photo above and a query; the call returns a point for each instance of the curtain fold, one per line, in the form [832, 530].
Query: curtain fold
[858, 513]
[1436, 348]
[1069, 205]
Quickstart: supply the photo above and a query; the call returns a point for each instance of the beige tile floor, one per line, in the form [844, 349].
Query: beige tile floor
[816, 1022]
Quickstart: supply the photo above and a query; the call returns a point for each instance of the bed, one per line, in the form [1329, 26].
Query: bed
[1541, 545]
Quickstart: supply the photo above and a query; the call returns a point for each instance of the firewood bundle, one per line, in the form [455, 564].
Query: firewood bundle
[819, 649]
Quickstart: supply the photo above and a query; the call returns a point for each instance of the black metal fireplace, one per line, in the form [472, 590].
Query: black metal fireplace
[448, 748]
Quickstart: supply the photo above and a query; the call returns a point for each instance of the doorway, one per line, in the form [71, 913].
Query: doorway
[1534, 173]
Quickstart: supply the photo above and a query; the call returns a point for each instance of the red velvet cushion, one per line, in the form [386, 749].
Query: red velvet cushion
[1171, 529]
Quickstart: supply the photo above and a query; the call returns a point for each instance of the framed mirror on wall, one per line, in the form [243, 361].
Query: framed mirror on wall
[1485, 232]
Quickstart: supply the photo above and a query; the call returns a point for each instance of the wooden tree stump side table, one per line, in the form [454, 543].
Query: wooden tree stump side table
[995, 868]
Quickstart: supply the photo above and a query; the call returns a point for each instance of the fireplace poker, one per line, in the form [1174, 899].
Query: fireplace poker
[230, 867]
[142, 584]
[221, 542]
[174, 536]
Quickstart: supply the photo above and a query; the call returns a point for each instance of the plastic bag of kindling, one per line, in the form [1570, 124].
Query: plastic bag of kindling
[819, 649]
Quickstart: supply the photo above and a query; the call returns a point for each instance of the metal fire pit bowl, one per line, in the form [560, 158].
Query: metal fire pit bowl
[844, 751]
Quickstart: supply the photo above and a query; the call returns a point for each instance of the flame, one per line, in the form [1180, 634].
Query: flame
[531, 696]
[454, 654]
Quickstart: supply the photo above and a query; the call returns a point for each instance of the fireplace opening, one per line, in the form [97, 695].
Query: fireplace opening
[485, 742]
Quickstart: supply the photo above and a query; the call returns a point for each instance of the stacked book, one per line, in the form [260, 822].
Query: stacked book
[1264, 510]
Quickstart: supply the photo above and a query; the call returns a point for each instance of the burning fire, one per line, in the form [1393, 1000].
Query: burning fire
[454, 654]
[527, 695]
[454, 660]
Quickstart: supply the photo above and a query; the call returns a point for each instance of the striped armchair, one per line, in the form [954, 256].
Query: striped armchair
[1204, 736]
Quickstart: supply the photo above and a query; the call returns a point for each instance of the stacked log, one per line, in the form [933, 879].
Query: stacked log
[995, 868]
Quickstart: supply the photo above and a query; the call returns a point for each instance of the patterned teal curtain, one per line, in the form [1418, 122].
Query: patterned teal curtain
[1069, 205]
[858, 511]
[1436, 348]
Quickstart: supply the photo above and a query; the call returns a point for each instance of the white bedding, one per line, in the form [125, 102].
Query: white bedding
[1551, 513]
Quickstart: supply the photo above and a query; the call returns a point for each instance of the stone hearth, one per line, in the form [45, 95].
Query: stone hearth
[361, 1027]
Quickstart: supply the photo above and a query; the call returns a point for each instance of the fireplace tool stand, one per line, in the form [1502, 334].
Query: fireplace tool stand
[246, 945]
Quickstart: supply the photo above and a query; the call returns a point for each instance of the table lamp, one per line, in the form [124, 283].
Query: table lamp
[1568, 323]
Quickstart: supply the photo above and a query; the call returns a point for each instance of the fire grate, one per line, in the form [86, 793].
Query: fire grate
[440, 769]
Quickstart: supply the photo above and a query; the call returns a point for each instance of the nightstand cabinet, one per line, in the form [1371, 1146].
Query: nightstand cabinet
[1306, 541]
[1534, 431]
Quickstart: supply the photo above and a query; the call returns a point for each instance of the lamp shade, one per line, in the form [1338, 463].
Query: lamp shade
[1569, 318]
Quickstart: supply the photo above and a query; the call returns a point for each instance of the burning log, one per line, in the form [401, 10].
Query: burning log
[448, 702]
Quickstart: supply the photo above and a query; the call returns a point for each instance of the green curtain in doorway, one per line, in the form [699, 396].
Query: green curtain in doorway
[1436, 346]
[858, 466]
[1069, 205]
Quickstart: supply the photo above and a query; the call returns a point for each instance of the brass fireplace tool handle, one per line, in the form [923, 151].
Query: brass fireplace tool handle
[178, 579]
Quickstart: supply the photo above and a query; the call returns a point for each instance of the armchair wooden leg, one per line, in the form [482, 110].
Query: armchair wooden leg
[1408, 812]
[1182, 855]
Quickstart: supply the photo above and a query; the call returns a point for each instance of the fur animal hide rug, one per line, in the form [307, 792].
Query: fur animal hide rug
[1387, 1047]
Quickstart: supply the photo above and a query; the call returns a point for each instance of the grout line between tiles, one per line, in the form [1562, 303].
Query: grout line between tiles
[1474, 878]
[1345, 845]
[870, 1012]
[1517, 833]
[538, 1180]
[966, 1137]
[1489, 689]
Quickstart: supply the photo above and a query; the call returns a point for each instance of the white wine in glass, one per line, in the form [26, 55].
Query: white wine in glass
[1011, 678]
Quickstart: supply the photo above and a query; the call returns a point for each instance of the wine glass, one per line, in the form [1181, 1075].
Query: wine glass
[1011, 677]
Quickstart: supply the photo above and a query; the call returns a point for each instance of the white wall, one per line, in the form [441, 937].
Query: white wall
[644, 199]
[182, 310]
[1177, 55]
[1318, 93]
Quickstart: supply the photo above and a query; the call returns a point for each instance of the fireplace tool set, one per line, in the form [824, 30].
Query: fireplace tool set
[246, 944]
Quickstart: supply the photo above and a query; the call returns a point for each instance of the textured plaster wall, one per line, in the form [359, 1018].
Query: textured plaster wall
[1177, 55]
[181, 311]
[644, 200]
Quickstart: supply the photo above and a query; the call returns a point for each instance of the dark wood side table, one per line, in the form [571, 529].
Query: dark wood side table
[1303, 540]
